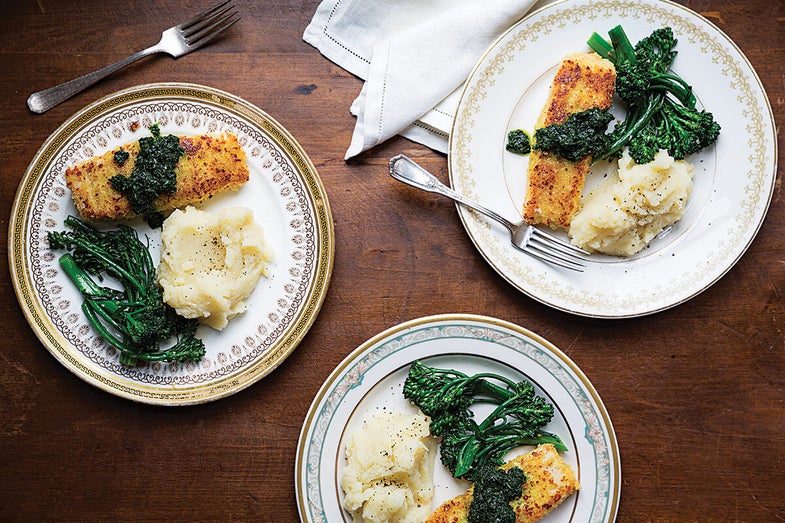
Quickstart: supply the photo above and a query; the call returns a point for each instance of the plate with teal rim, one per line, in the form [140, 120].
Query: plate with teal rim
[372, 376]
[287, 199]
[733, 180]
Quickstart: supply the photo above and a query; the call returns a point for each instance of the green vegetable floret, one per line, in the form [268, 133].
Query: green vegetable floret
[661, 106]
[153, 174]
[446, 396]
[678, 130]
[133, 319]
[494, 489]
[581, 135]
[518, 142]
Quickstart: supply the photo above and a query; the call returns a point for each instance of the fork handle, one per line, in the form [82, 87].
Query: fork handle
[44, 100]
[404, 169]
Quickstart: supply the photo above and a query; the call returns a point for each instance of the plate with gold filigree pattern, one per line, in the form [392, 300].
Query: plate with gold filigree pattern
[371, 378]
[733, 179]
[284, 192]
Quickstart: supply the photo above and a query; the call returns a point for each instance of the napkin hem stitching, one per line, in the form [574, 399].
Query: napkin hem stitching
[384, 92]
[330, 36]
[442, 111]
[428, 128]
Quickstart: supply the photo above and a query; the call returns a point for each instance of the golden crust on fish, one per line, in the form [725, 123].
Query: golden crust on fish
[211, 164]
[549, 481]
[553, 195]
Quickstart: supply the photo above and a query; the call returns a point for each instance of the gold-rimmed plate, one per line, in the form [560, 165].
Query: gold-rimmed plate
[733, 182]
[371, 378]
[287, 198]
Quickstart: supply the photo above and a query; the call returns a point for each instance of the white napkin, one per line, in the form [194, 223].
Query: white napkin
[414, 56]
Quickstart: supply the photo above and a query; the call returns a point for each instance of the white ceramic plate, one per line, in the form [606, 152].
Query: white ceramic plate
[284, 192]
[734, 179]
[372, 376]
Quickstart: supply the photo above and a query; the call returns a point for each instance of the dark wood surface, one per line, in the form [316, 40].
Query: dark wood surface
[696, 393]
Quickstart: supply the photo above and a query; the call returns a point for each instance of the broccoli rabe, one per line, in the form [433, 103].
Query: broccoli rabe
[446, 397]
[135, 320]
[661, 106]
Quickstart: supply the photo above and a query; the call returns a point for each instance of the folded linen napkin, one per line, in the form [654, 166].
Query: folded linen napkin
[414, 56]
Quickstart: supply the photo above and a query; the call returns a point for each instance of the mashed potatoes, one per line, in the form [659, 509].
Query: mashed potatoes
[211, 262]
[623, 214]
[389, 469]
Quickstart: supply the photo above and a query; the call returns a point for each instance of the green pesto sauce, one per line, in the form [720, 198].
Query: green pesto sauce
[518, 142]
[582, 134]
[153, 174]
[121, 156]
[494, 489]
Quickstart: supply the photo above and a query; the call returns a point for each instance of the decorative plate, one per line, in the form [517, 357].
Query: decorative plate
[284, 192]
[372, 377]
[733, 182]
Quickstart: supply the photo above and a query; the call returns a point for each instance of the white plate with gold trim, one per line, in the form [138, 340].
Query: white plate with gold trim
[372, 376]
[284, 192]
[733, 183]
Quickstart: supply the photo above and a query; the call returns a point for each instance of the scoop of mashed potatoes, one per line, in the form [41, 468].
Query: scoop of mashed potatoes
[624, 213]
[211, 262]
[389, 469]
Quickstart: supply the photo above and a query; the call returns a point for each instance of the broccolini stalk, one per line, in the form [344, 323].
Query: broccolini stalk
[446, 395]
[661, 106]
[135, 319]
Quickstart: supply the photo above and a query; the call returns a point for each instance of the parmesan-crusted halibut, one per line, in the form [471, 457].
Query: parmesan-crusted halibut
[549, 481]
[211, 164]
[553, 194]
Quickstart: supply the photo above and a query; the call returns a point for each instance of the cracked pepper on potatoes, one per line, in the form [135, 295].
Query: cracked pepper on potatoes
[211, 262]
[623, 214]
[389, 469]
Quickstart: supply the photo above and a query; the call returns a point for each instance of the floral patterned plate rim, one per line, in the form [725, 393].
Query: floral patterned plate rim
[371, 378]
[732, 187]
[284, 192]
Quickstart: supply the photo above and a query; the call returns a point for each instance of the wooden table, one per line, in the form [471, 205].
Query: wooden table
[696, 393]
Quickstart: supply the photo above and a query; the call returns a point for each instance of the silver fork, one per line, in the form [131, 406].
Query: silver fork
[523, 236]
[176, 41]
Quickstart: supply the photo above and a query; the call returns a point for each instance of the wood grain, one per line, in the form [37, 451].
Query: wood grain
[696, 393]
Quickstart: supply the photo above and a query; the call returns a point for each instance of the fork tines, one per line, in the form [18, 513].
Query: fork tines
[209, 23]
[555, 250]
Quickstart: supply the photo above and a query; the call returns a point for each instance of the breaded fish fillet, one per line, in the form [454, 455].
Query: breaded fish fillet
[211, 163]
[549, 481]
[554, 187]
